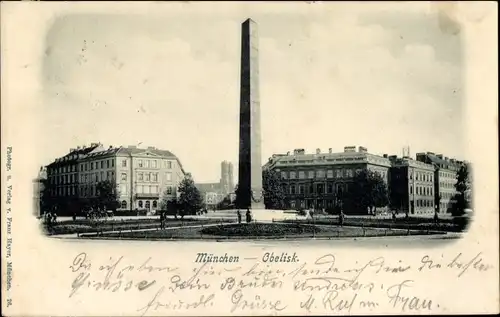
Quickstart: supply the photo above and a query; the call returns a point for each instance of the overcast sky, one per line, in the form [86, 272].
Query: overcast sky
[330, 78]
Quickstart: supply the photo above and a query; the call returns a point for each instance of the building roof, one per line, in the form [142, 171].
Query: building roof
[327, 159]
[73, 155]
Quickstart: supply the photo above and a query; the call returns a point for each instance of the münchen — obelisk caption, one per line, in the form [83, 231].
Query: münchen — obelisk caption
[250, 193]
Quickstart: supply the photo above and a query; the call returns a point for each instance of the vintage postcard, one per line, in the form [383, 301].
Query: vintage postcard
[218, 159]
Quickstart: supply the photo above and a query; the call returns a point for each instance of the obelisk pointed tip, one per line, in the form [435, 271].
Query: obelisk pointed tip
[249, 20]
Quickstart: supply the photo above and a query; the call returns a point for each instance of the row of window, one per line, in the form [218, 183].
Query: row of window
[314, 189]
[423, 177]
[63, 169]
[88, 166]
[447, 195]
[149, 163]
[420, 190]
[147, 189]
[424, 203]
[97, 177]
[447, 174]
[446, 185]
[63, 179]
[64, 191]
[339, 173]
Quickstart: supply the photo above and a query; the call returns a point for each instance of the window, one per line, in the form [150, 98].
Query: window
[349, 173]
[124, 204]
[338, 173]
[146, 163]
[411, 189]
[124, 163]
[311, 189]
[107, 163]
[311, 174]
[81, 168]
[292, 175]
[124, 176]
[97, 177]
[169, 164]
[153, 164]
[146, 177]
[320, 188]
[301, 189]
[154, 189]
[302, 174]
[139, 189]
[283, 175]
[113, 163]
[102, 164]
[140, 176]
[140, 203]
[148, 204]
[139, 163]
[329, 188]
[155, 176]
[169, 190]
[147, 190]
[102, 176]
[320, 173]
[91, 165]
[168, 176]
[292, 189]
[155, 204]
[329, 173]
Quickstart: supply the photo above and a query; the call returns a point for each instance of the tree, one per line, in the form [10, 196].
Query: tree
[190, 200]
[461, 186]
[107, 195]
[368, 192]
[274, 194]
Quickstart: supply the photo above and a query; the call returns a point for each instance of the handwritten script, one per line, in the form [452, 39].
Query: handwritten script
[326, 284]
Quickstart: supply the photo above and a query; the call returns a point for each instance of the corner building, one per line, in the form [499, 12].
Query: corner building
[319, 180]
[412, 186]
[143, 177]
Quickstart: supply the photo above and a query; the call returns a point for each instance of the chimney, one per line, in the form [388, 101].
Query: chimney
[446, 158]
[151, 148]
[94, 144]
[393, 157]
[78, 147]
[71, 150]
[287, 153]
[318, 151]
[385, 156]
[349, 149]
[440, 156]
[362, 149]
[330, 150]
[431, 153]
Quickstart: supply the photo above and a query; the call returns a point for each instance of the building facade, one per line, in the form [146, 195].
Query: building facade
[412, 186]
[319, 180]
[143, 177]
[214, 193]
[445, 178]
[38, 189]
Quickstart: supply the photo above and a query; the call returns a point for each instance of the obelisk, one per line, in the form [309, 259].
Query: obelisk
[250, 194]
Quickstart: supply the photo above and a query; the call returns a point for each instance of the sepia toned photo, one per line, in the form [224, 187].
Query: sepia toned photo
[230, 157]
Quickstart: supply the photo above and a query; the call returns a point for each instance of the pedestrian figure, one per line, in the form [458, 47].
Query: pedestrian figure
[239, 216]
[341, 218]
[74, 216]
[394, 216]
[248, 216]
[436, 217]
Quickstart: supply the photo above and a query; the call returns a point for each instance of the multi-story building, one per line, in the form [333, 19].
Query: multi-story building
[226, 180]
[319, 180]
[142, 176]
[63, 178]
[38, 188]
[412, 186]
[445, 178]
[214, 193]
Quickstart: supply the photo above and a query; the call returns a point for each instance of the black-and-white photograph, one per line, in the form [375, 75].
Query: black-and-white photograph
[241, 158]
[259, 127]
